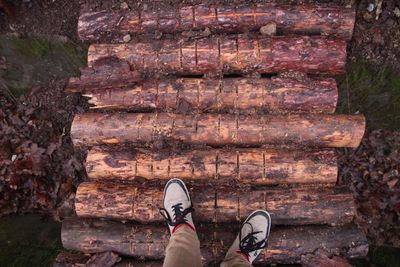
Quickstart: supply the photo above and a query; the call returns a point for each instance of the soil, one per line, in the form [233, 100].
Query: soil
[44, 17]
[376, 37]
[373, 172]
[39, 167]
[34, 127]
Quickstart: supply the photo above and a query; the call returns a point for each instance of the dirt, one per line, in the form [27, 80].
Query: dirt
[42, 17]
[376, 37]
[373, 170]
[35, 245]
[40, 166]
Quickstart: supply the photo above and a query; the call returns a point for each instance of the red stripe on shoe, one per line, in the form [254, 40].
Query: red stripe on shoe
[245, 256]
[183, 224]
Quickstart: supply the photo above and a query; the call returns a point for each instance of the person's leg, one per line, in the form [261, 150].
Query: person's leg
[250, 241]
[184, 247]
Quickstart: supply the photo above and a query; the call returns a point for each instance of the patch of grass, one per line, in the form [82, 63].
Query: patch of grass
[372, 92]
[386, 256]
[27, 240]
[34, 48]
[36, 61]
[77, 57]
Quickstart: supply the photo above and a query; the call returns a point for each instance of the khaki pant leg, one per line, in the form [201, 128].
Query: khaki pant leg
[183, 249]
[234, 259]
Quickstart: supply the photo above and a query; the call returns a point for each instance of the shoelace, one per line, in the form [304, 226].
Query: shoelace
[249, 243]
[178, 212]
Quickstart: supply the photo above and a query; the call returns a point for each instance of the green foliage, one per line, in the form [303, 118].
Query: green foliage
[372, 92]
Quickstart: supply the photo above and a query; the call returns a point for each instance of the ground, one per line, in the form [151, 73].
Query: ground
[39, 50]
[37, 240]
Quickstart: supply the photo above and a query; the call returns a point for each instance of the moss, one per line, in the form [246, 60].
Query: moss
[386, 256]
[36, 61]
[75, 55]
[374, 92]
[29, 241]
[35, 47]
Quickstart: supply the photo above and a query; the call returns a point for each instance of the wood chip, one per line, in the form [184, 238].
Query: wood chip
[268, 29]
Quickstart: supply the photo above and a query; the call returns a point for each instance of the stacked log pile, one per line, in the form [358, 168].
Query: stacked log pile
[240, 143]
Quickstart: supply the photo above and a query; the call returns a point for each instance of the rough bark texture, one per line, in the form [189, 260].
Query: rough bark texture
[321, 258]
[73, 259]
[70, 259]
[276, 95]
[214, 129]
[306, 205]
[107, 73]
[289, 19]
[235, 54]
[251, 166]
[286, 245]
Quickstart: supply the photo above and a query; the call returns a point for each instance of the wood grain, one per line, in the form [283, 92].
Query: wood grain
[248, 166]
[229, 55]
[292, 206]
[286, 244]
[289, 19]
[121, 90]
[213, 129]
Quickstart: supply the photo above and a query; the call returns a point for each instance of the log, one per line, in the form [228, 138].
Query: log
[289, 19]
[217, 130]
[229, 55]
[286, 244]
[321, 258]
[73, 259]
[70, 259]
[276, 95]
[107, 73]
[292, 206]
[251, 166]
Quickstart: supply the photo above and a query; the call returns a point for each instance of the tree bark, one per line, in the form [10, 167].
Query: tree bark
[286, 244]
[307, 205]
[218, 130]
[237, 54]
[73, 259]
[289, 19]
[321, 258]
[107, 73]
[250, 166]
[276, 95]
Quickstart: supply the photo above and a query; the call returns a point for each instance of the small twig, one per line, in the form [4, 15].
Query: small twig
[378, 12]
[6, 91]
[120, 20]
[348, 93]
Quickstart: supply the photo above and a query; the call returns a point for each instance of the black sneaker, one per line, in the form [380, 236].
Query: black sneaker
[177, 205]
[253, 235]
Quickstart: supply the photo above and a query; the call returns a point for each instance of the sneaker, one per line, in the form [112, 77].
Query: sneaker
[253, 235]
[178, 206]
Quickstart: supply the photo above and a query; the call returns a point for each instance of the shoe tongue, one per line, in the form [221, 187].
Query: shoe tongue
[247, 229]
